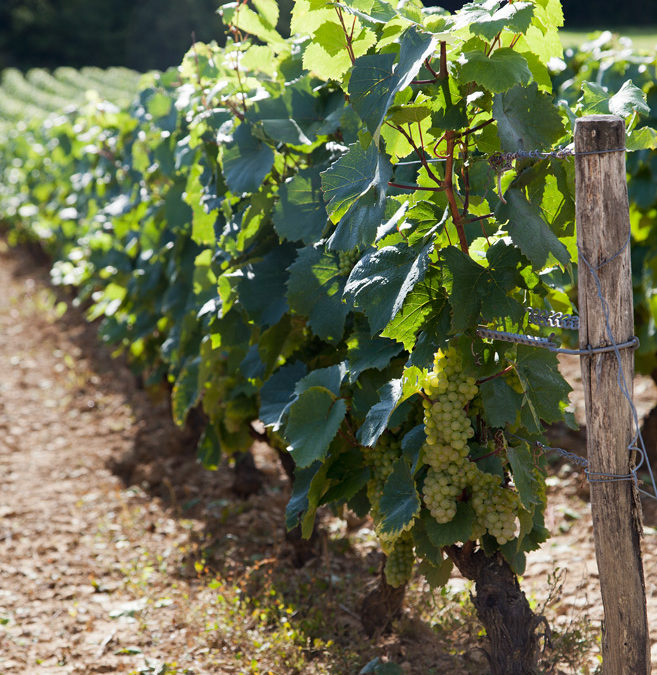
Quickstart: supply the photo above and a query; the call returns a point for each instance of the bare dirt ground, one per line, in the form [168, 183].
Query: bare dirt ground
[119, 554]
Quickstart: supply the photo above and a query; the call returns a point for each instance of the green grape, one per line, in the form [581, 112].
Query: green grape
[452, 476]
[380, 459]
[399, 563]
[347, 260]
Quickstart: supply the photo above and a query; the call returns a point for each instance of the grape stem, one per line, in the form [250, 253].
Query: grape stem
[508, 369]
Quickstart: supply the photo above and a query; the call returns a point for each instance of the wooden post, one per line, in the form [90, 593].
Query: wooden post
[603, 227]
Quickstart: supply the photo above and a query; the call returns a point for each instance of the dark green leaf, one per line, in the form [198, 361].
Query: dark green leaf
[527, 119]
[382, 279]
[277, 393]
[524, 477]
[400, 502]
[315, 289]
[458, 529]
[352, 176]
[312, 423]
[375, 423]
[246, 161]
[300, 214]
[262, 288]
[529, 231]
[543, 386]
[186, 391]
[500, 402]
[374, 80]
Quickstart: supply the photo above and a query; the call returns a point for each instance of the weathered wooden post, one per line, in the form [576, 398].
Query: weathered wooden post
[603, 227]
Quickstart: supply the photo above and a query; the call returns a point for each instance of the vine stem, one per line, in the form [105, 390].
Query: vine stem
[508, 369]
[450, 138]
[347, 36]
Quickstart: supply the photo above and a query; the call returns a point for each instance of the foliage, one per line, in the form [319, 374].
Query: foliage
[290, 229]
[587, 79]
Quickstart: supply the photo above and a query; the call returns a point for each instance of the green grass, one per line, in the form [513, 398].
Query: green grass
[643, 37]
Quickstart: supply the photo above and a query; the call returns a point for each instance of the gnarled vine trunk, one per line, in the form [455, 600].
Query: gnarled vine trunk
[511, 626]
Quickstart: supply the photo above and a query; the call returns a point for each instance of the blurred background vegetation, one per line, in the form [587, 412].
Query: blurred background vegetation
[145, 34]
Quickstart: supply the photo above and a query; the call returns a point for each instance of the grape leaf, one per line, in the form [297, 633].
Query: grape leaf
[278, 393]
[312, 423]
[376, 421]
[498, 72]
[522, 465]
[487, 21]
[436, 575]
[246, 161]
[298, 502]
[423, 307]
[330, 378]
[529, 231]
[381, 280]
[527, 119]
[500, 402]
[208, 449]
[262, 288]
[458, 529]
[352, 176]
[400, 502]
[543, 386]
[315, 289]
[366, 352]
[475, 290]
[300, 214]
[186, 391]
[375, 80]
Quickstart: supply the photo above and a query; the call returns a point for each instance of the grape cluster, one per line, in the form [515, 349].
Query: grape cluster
[399, 563]
[452, 475]
[347, 260]
[380, 459]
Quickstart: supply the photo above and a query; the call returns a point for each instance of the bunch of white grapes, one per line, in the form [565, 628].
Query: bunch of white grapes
[399, 563]
[380, 459]
[448, 428]
[347, 260]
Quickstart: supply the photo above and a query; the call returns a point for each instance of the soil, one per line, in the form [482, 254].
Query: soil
[120, 554]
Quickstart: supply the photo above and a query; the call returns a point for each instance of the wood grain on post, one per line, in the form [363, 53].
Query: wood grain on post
[603, 227]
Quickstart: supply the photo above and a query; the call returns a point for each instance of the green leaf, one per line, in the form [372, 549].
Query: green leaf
[499, 72]
[367, 352]
[246, 161]
[330, 378]
[423, 308]
[400, 502]
[381, 280]
[208, 449]
[596, 99]
[476, 291]
[458, 529]
[644, 138]
[529, 231]
[186, 391]
[358, 227]
[524, 477]
[300, 214]
[514, 17]
[241, 16]
[312, 423]
[303, 481]
[315, 289]
[375, 81]
[527, 119]
[278, 393]
[262, 288]
[353, 175]
[543, 386]
[500, 402]
[436, 575]
[376, 421]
